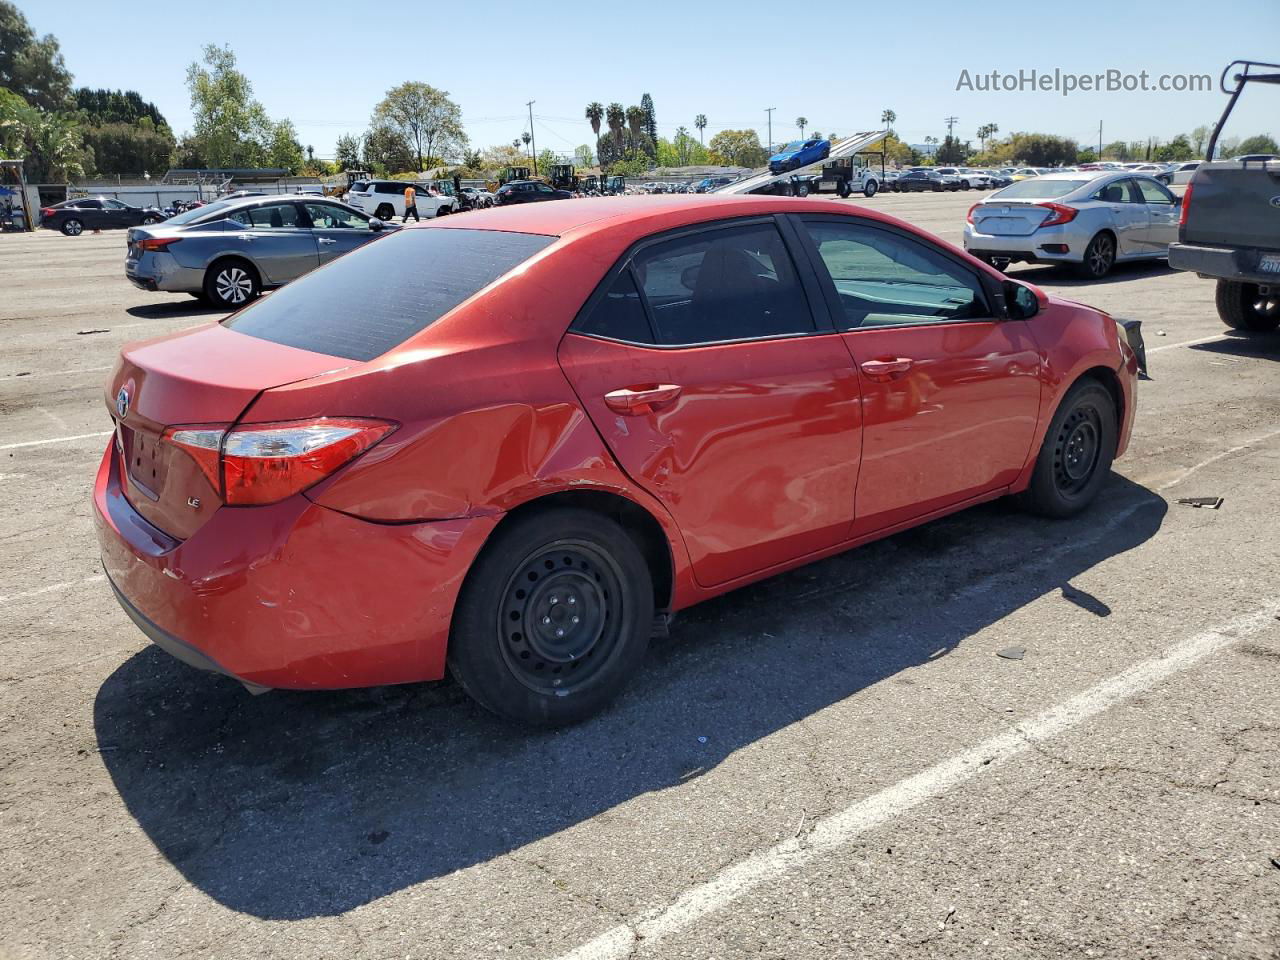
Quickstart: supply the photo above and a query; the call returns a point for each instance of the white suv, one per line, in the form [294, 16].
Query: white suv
[384, 199]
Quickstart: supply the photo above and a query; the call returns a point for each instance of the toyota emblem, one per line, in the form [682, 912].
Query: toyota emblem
[122, 402]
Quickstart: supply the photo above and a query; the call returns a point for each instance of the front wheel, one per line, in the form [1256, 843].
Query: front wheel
[72, 228]
[869, 189]
[1076, 454]
[554, 618]
[802, 190]
[231, 284]
[1241, 306]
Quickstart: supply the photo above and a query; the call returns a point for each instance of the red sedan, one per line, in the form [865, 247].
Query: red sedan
[503, 444]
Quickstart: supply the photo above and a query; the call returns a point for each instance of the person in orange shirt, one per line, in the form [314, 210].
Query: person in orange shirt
[410, 204]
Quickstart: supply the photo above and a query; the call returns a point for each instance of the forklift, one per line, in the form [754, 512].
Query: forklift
[513, 173]
[563, 178]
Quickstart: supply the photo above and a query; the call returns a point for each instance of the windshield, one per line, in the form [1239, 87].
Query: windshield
[793, 147]
[1038, 188]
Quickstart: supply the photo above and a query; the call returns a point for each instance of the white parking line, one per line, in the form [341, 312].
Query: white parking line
[1187, 343]
[52, 588]
[839, 829]
[1218, 456]
[41, 443]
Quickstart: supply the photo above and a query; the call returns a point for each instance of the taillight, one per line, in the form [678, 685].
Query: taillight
[1186, 205]
[1060, 214]
[969, 215]
[47, 212]
[156, 244]
[267, 462]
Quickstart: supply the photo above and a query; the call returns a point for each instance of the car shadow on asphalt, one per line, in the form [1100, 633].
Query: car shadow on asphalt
[1241, 344]
[294, 805]
[186, 307]
[1065, 276]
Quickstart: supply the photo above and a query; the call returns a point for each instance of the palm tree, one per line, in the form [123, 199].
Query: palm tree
[616, 118]
[635, 122]
[931, 140]
[802, 122]
[595, 113]
[985, 131]
[700, 121]
[888, 118]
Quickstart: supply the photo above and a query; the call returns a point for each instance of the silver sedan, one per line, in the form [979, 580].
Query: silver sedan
[1089, 220]
[230, 251]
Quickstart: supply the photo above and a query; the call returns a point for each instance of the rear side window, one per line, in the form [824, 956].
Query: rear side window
[619, 315]
[384, 292]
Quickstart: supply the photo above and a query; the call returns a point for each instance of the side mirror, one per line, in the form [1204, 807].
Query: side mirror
[375, 224]
[1020, 301]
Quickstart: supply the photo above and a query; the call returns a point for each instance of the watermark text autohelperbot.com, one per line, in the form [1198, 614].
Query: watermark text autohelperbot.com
[1066, 83]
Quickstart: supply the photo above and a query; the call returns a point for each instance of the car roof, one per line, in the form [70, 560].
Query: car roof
[1077, 174]
[668, 211]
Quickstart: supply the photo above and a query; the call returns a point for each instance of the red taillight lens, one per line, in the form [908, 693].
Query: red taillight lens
[1060, 214]
[969, 215]
[47, 212]
[156, 243]
[1186, 205]
[268, 462]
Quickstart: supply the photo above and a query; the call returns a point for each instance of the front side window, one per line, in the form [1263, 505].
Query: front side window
[325, 216]
[885, 280]
[732, 284]
[274, 216]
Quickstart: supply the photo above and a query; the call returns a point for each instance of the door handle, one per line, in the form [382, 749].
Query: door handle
[885, 369]
[244, 236]
[642, 400]
[325, 240]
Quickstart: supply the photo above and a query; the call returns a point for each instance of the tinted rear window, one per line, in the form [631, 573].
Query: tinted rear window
[381, 294]
[1038, 189]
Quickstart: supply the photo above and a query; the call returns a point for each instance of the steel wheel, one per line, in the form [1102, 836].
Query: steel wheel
[560, 617]
[1076, 450]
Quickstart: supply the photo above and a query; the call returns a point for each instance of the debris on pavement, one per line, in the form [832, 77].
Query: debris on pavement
[1209, 503]
[1012, 653]
[85, 333]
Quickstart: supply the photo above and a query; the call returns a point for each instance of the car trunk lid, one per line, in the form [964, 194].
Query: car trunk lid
[202, 377]
[1009, 218]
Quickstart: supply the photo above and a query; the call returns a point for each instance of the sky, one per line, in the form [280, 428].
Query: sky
[325, 65]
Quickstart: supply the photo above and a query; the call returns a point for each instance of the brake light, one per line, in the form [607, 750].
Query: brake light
[969, 215]
[156, 244]
[267, 462]
[47, 212]
[1060, 214]
[1186, 205]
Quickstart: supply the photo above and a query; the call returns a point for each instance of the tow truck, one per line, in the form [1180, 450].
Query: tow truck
[846, 149]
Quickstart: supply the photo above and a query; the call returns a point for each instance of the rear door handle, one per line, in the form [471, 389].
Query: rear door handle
[639, 401]
[884, 369]
[325, 240]
[244, 236]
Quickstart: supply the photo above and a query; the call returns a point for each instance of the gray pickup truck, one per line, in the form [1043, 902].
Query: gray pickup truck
[1229, 229]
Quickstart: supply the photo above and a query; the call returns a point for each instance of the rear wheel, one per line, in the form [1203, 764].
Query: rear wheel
[231, 284]
[843, 190]
[554, 618]
[72, 228]
[1099, 257]
[1243, 307]
[1076, 455]
[385, 211]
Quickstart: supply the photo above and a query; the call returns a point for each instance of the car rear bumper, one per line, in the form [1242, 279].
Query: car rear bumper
[161, 271]
[1223, 263]
[291, 595]
[1025, 249]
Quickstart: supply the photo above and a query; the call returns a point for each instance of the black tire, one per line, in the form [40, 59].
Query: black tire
[231, 283]
[964, 184]
[1099, 257]
[1242, 307]
[503, 648]
[843, 190]
[385, 212]
[869, 188]
[1075, 456]
[72, 227]
[802, 190]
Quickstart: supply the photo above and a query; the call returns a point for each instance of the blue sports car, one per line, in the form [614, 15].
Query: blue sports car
[799, 153]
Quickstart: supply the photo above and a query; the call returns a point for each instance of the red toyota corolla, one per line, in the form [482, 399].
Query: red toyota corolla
[503, 444]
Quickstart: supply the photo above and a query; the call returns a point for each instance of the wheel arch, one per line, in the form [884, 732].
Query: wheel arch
[644, 529]
[1097, 372]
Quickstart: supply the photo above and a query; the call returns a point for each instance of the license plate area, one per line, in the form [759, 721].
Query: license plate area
[1269, 263]
[143, 458]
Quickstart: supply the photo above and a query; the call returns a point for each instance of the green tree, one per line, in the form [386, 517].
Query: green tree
[635, 123]
[1199, 137]
[650, 119]
[595, 116]
[387, 151]
[426, 118]
[283, 148]
[117, 106]
[584, 156]
[740, 148]
[31, 67]
[888, 118]
[231, 128]
[802, 122]
[52, 144]
[347, 152]
[700, 121]
[986, 132]
[1260, 143]
[128, 149]
[1179, 148]
[1042, 149]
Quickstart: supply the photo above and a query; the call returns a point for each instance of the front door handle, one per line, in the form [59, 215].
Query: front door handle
[325, 240]
[639, 401]
[884, 369]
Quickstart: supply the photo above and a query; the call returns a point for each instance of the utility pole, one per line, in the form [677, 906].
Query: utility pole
[1099, 139]
[769, 111]
[950, 122]
[533, 140]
